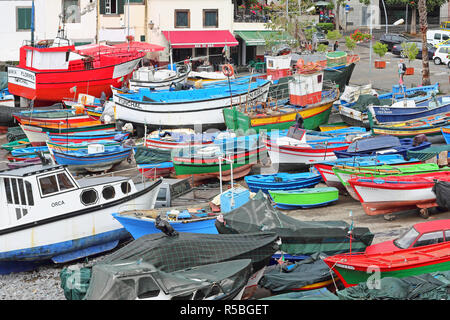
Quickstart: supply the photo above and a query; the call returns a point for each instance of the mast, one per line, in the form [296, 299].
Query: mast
[32, 24]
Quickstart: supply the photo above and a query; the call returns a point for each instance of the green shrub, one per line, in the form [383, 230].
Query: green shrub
[333, 35]
[322, 47]
[380, 49]
[326, 26]
[410, 50]
[350, 43]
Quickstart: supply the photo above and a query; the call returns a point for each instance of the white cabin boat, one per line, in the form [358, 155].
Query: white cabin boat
[48, 215]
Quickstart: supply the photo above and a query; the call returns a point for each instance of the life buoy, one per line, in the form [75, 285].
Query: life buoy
[228, 70]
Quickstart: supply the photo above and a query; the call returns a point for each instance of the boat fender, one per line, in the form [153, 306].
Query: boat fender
[228, 70]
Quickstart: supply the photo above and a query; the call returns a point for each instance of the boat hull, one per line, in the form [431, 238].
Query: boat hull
[304, 198]
[139, 227]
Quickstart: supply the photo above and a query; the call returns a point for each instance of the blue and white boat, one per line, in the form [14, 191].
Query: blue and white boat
[96, 157]
[381, 145]
[200, 107]
[282, 181]
[93, 136]
[29, 152]
[400, 97]
[387, 114]
[49, 216]
[6, 98]
[142, 222]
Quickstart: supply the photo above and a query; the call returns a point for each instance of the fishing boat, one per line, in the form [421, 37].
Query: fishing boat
[282, 181]
[355, 113]
[297, 237]
[188, 108]
[182, 219]
[446, 133]
[24, 163]
[88, 136]
[353, 269]
[153, 162]
[176, 138]
[385, 195]
[226, 159]
[344, 173]
[54, 146]
[295, 150]
[6, 98]
[333, 126]
[304, 198]
[73, 115]
[29, 152]
[173, 256]
[386, 114]
[429, 126]
[161, 77]
[272, 115]
[67, 218]
[18, 144]
[325, 168]
[60, 70]
[96, 157]
[37, 132]
[381, 145]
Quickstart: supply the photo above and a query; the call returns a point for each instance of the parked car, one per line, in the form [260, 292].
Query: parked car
[420, 234]
[319, 38]
[440, 55]
[397, 50]
[437, 36]
[391, 39]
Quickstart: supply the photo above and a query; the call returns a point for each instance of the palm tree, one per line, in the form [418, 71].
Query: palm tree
[423, 29]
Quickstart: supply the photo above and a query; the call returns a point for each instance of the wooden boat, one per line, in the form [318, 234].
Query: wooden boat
[173, 139]
[271, 116]
[24, 163]
[282, 181]
[446, 133]
[209, 162]
[384, 195]
[383, 144]
[53, 116]
[294, 148]
[77, 222]
[6, 98]
[429, 126]
[29, 152]
[188, 108]
[353, 269]
[93, 161]
[152, 170]
[325, 168]
[152, 162]
[304, 198]
[159, 78]
[386, 114]
[18, 144]
[89, 136]
[355, 113]
[187, 219]
[36, 132]
[344, 173]
[78, 146]
[60, 70]
[333, 126]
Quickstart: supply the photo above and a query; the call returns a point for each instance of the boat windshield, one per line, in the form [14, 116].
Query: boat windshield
[406, 239]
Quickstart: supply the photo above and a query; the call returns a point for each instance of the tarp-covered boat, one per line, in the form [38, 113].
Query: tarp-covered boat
[298, 237]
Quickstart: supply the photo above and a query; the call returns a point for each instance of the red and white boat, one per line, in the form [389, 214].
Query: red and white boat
[51, 71]
[397, 193]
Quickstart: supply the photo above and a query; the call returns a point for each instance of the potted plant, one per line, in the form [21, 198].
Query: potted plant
[410, 51]
[350, 44]
[380, 49]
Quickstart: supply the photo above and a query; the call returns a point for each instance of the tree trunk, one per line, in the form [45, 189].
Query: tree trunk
[423, 29]
[336, 16]
[413, 20]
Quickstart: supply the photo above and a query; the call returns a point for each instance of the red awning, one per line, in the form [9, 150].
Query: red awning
[200, 39]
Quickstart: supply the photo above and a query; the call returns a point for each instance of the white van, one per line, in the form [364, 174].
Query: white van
[440, 55]
[435, 37]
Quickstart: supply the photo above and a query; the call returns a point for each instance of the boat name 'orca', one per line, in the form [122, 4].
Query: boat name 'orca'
[58, 203]
[197, 310]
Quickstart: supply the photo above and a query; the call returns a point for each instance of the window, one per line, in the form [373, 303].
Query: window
[71, 10]
[23, 18]
[29, 193]
[405, 240]
[89, 196]
[147, 288]
[444, 37]
[430, 238]
[64, 182]
[14, 190]
[447, 235]
[161, 194]
[126, 187]
[112, 6]
[8, 190]
[142, 38]
[108, 192]
[48, 185]
[182, 18]
[437, 36]
[22, 192]
[210, 18]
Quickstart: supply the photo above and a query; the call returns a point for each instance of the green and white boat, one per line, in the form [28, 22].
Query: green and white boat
[304, 198]
[344, 173]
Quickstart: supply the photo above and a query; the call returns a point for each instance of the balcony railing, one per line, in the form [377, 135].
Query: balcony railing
[248, 16]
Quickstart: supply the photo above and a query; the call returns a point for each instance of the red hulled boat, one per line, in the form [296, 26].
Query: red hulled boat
[51, 71]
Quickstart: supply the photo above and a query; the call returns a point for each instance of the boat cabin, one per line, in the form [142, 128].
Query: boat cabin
[305, 89]
[278, 66]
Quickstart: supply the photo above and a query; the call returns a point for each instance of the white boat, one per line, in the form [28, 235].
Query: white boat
[150, 77]
[188, 108]
[48, 215]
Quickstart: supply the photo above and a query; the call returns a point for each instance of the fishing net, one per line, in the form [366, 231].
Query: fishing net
[15, 133]
[297, 237]
[428, 153]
